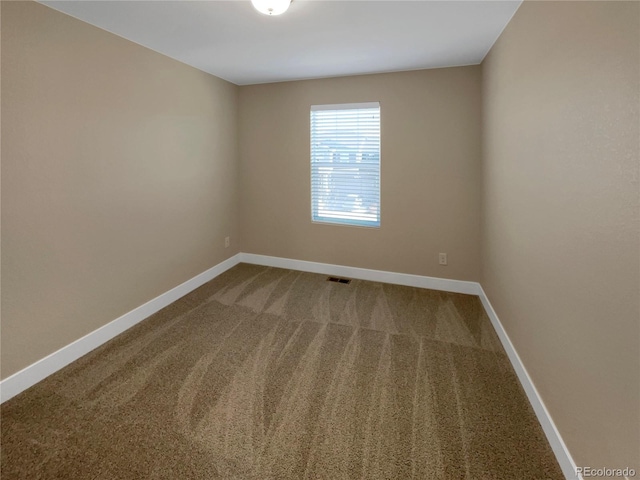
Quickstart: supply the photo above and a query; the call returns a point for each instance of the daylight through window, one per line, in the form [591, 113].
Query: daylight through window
[345, 164]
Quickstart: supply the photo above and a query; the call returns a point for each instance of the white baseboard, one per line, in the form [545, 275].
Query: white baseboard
[29, 376]
[433, 283]
[558, 446]
[38, 371]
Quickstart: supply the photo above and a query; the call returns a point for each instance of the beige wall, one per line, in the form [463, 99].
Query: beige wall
[119, 175]
[561, 231]
[430, 134]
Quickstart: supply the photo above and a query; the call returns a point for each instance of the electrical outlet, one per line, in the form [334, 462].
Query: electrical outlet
[227, 242]
[442, 258]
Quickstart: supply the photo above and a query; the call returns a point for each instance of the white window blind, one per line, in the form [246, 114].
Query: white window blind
[345, 164]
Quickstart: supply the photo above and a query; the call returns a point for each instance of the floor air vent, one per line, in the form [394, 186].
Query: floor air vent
[339, 280]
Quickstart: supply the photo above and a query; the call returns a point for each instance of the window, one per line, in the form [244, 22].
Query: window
[345, 164]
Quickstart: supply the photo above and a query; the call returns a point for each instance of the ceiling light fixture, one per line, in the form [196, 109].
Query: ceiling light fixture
[271, 7]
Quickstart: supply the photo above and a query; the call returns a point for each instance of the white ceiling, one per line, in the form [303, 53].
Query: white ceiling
[313, 39]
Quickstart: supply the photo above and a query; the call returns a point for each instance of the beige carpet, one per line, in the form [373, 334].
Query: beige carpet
[266, 373]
